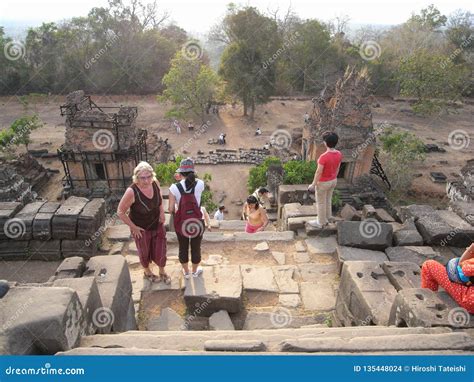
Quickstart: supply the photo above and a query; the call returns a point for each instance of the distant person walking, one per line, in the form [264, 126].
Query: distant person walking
[325, 180]
[146, 220]
[177, 126]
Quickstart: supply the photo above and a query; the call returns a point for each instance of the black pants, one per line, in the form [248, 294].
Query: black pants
[184, 249]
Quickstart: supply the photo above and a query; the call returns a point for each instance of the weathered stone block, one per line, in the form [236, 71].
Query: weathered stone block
[284, 278]
[383, 216]
[88, 293]
[367, 234]
[81, 248]
[64, 224]
[350, 213]
[167, 320]
[278, 319]
[258, 278]
[39, 320]
[423, 307]
[417, 255]
[7, 211]
[219, 288]
[322, 245]
[91, 218]
[220, 321]
[43, 220]
[119, 232]
[46, 250]
[356, 254]
[115, 288]
[23, 220]
[402, 275]
[408, 234]
[320, 296]
[14, 250]
[72, 267]
[366, 291]
[368, 211]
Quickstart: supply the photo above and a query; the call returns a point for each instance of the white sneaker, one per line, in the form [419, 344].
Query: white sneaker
[315, 224]
[198, 272]
[186, 275]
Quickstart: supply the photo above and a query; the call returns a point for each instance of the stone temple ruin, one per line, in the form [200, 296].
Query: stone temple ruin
[21, 179]
[345, 110]
[102, 146]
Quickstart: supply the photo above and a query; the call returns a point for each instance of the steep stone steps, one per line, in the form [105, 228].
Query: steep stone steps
[363, 339]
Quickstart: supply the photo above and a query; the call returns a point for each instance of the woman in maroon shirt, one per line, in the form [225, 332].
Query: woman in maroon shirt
[146, 220]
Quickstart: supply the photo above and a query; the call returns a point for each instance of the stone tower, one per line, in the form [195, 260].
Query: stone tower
[102, 146]
[345, 110]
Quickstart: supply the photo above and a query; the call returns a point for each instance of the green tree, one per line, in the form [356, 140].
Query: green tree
[311, 58]
[401, 150]
[432, 78]
[19, 132]
[190, 85]
[430, 17]
[246, 64]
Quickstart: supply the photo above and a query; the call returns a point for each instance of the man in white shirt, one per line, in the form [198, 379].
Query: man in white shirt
[219, 214]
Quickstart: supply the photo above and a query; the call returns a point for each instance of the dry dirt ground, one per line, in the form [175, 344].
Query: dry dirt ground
[229, 181]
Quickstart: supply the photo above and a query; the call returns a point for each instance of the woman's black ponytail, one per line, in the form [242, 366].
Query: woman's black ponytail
[190, 180]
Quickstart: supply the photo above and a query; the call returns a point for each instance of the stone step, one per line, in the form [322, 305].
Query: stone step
[408, 342]
[135, 351]
[271, 339]
[218, 237]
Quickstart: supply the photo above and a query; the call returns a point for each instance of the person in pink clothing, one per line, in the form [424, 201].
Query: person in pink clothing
[325, 179]
[457, 280]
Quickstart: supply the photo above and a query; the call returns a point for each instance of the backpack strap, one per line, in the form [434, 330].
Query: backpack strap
[181, 189]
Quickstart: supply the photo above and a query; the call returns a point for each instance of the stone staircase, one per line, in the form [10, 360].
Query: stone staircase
[314, 339]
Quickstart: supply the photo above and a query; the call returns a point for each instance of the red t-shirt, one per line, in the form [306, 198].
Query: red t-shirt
[331, 161]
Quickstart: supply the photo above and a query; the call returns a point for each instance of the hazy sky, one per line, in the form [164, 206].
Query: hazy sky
[198, 16]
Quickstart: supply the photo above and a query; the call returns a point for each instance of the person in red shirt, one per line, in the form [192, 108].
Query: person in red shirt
[325, 179]
[434, 274]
